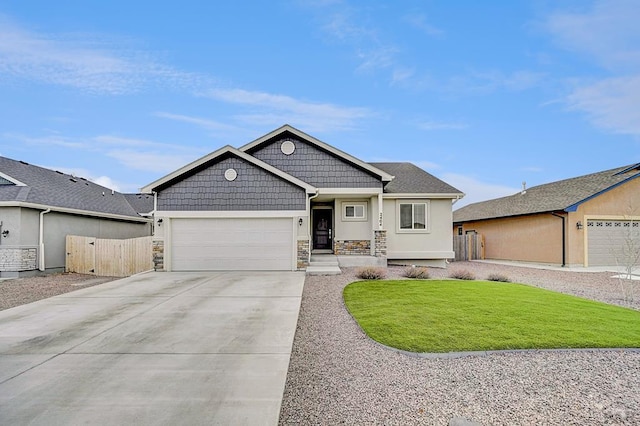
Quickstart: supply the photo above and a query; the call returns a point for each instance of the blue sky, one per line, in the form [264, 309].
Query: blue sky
[484, 95]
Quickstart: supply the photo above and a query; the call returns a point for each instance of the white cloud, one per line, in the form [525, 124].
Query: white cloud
[82, 61]
[475, 189]
[608, 33]
[151, 161]
[419, 21]
[274, 110]
[612, 104]
[204, 123]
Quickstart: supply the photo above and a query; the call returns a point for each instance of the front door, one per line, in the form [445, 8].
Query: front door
[322, 229]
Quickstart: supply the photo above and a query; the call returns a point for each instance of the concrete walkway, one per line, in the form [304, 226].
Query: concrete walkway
[157, 348]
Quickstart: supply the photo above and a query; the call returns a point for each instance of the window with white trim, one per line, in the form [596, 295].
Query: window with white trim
[413, 216]
[354, 211]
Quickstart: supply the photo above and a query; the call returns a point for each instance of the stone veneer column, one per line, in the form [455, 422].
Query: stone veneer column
[303, 254]
[380, 242]
[158, 255]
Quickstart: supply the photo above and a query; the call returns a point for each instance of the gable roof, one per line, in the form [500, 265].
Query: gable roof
[32, 186]
[411, 179]
[565, 195]
[209, 158]
[141, 203]
[384, 176]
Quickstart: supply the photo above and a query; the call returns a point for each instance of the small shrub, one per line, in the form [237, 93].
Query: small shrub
[499, 278]
[462, 274]
[371, 273]
[419, 272]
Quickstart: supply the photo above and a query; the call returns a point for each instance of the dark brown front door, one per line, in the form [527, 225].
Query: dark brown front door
[322, 232]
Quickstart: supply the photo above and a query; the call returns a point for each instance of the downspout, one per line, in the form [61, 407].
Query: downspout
[564, 242]
[41, 263]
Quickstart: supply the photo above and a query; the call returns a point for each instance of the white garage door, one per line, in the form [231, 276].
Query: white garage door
[608, 241]
[231, 244]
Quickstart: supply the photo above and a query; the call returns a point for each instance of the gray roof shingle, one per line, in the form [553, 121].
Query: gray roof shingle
[554, 196]
[55, 189]
[142, 203]
[410, 178]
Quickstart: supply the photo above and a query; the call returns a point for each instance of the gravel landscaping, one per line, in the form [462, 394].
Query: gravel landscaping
[337, 375]
[19, 291]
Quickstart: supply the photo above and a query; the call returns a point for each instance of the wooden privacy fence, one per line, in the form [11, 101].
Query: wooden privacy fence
[108, 258]
[468, 247]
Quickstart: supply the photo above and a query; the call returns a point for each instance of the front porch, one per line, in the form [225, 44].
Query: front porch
[330, 264]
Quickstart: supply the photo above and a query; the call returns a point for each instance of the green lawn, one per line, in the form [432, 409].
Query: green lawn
[452, 315]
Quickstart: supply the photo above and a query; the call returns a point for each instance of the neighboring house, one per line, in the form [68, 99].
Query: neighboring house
[40, 207]
[583, 221]
[276, 200]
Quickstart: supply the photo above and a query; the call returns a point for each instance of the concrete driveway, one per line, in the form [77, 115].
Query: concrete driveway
[157, 348]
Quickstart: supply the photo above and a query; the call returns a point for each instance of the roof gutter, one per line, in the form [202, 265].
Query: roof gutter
[564, 240]
[73, 211]
[41, 262]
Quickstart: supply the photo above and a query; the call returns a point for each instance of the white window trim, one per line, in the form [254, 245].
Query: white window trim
[427, 212]
[354, 204]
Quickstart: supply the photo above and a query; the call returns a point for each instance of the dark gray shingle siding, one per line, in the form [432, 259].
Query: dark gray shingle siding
[315, 166]
[253, 189]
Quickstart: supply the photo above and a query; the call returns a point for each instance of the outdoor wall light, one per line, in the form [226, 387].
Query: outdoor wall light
[159, 222]
[300, 222]
[5, 233]
[579, 225]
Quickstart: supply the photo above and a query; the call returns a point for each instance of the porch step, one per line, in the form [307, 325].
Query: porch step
[323, 264]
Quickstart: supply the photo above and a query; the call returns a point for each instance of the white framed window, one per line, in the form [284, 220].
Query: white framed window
[413, 216]
[354, 211]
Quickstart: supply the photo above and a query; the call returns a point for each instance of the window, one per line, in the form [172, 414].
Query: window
[354, 211]
[413, 216]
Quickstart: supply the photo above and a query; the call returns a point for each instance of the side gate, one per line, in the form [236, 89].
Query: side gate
[468, 247]
[108, 258]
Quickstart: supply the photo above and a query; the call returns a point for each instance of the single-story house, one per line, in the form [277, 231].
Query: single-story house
[271, 203]
[40, 207]
[582, 221]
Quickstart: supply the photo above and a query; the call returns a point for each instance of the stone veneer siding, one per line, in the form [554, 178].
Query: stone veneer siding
[16, 259]
[352, 247]
[380, 243]
[303, 254]
[158, 255]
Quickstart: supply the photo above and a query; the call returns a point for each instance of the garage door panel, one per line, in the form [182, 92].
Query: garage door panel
[232, 244]
[607, 240]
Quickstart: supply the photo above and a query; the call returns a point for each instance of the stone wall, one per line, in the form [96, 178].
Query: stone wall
[352, 247]
[381, 243]
[158, 255]
[303, 254]
[16, 259]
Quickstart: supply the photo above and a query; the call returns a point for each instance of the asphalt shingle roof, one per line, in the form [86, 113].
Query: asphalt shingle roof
[410, 178]
[554, 196]
[55, 189]
[142, 203]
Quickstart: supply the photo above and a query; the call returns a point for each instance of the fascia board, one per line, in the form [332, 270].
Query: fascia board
[423, 195]
[73, 211]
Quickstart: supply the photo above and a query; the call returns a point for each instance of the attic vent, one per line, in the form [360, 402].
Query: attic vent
[287, 147]
[230, 175]
[24, 162]
[72, 180]
[59, 172]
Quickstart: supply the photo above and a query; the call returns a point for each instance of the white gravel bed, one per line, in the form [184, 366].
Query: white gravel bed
[337, 375]
[19, 291]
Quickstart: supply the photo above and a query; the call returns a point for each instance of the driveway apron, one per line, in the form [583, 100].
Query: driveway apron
[157, 348]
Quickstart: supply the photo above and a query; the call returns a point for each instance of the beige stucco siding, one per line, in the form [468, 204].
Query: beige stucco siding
[436, 243]
[622, 202]
[348, 229]
[531, 238]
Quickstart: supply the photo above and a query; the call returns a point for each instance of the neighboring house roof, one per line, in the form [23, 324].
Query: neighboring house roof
[562, 195]
[141, 203]
[287, 129]
[411, 179]
[30, 185]
[194, 166]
